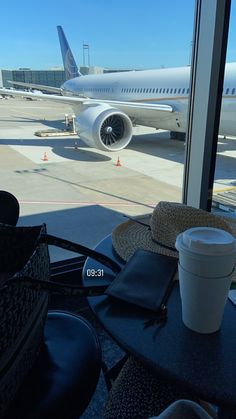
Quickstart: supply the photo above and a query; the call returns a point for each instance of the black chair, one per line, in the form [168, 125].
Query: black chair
[9, 208]
[65, 375]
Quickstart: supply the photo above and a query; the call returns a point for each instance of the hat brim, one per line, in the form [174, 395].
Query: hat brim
[131, 236]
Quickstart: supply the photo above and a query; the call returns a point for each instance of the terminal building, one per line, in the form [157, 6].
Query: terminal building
[54, 77]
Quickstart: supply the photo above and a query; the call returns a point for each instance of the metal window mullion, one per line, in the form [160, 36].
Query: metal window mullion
[207, 74]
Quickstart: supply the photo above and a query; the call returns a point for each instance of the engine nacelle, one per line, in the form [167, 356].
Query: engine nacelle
[104, 127]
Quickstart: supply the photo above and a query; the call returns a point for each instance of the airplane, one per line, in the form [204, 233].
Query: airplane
[108, 105]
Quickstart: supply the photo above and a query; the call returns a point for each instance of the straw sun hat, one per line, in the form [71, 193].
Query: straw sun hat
[158, 232]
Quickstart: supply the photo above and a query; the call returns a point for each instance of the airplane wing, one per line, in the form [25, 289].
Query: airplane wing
[36, 86]
[128, 107]
[43, 96]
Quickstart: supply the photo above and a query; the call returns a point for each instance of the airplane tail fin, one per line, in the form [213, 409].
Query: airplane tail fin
[70, 66]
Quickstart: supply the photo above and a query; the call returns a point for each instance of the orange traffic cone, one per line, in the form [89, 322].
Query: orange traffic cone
[45, 157]
[118, 163]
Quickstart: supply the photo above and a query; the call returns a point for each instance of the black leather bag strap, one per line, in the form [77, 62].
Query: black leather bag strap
[62, 288]
[83, 250]
[54, 287]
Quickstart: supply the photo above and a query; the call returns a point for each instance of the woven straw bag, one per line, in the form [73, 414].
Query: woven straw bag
[22, 310]
[24, 289]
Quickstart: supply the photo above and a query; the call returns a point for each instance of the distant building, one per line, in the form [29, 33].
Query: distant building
[91, 70]
[117, 70]
[55, 77]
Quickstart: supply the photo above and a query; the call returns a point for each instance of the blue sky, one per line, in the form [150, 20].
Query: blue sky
[120, 33]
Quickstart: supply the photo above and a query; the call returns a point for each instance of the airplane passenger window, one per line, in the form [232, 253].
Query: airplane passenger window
[164, 90]
[156, 90]
[171, 90]
[227, 91]
[167, 90]
[233, 91]
[153, 90]
[179, 91]
[183, 91]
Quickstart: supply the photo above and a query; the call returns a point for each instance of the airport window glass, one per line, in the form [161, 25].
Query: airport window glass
[224, 187]
[80, 188]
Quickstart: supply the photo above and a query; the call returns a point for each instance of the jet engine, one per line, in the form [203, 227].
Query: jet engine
[104, 127]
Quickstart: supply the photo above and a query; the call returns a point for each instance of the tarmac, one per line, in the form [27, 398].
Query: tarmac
[79, 192]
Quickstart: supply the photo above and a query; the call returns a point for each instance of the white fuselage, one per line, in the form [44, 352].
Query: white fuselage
[162, 86]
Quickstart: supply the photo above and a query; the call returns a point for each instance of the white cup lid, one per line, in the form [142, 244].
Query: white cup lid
[208, 240]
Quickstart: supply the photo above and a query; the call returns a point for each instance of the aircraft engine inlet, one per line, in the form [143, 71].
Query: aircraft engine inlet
[104, 127]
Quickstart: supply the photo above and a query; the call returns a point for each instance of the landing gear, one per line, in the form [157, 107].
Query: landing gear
[180, 136]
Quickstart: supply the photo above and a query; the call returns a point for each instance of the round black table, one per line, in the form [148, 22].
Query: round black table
[204, 364]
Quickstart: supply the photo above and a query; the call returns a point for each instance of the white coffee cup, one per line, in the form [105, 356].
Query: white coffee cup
[206, 262]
